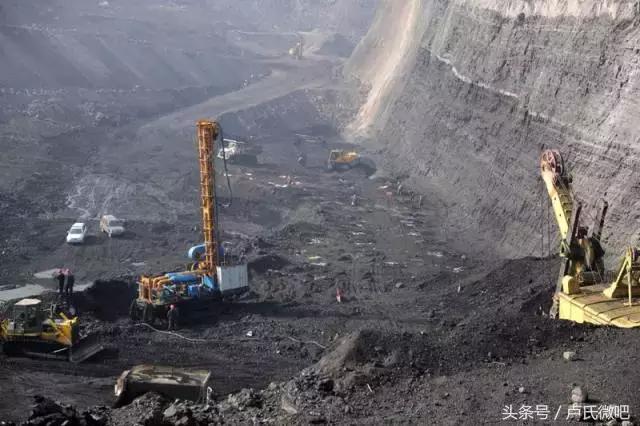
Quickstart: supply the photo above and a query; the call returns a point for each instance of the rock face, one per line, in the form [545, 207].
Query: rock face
[479, 87]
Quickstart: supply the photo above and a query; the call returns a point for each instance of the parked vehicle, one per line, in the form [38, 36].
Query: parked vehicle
[111, 225]
[77, 233]
[238, 152]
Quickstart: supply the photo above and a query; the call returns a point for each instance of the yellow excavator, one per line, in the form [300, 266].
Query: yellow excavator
[31, 330]
[342, 160]
[584, 293]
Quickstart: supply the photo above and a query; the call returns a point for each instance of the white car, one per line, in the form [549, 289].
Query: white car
[239, 152]
[77, 233]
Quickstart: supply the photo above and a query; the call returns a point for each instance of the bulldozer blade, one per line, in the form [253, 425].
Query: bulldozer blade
[85, 349]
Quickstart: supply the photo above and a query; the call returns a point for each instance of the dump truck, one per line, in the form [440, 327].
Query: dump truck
[585, 291]
[32, 330]
[171, 382]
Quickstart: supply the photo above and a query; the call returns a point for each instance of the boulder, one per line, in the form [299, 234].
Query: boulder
[578, 395]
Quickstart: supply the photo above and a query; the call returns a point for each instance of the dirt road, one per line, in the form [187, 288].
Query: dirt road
[285, 77]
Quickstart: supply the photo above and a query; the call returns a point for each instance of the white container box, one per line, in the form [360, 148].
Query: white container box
[233, 279]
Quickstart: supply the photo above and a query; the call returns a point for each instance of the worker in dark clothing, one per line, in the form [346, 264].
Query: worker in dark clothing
[59, 276]
[68, 283]
[172, 316]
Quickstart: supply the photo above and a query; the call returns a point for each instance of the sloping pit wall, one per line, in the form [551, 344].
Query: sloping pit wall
[491, 83]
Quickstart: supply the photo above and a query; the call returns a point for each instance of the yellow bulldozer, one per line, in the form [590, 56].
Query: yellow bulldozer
[31, 330]
[585, 292]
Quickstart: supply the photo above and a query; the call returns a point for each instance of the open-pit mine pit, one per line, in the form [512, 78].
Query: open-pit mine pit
[319, 212]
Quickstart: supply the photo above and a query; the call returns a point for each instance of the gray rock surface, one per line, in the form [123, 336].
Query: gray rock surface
[480, 87]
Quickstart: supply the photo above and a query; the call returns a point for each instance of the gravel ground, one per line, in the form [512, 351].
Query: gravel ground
[424, 332]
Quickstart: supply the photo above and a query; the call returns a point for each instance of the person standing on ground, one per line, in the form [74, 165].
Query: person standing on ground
[69, 282]
[172, 317]
[302, 160]
[59, 276]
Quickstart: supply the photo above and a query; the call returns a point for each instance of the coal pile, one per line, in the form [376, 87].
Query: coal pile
[108, 299]
[269, 262]
[46, 412]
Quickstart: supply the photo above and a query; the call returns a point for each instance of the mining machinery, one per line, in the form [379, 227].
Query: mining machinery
[208, 278]
[342, 160]
[31, 330]
[584, 292]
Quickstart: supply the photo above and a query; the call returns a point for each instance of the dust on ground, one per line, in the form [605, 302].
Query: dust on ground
[424, 330]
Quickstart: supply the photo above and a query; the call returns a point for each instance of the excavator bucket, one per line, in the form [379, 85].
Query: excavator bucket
[85, 349]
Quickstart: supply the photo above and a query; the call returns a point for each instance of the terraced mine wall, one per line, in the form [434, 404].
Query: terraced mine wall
[475, 90]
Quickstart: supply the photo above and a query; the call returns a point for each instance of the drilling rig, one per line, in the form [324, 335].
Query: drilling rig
[209, 278]
[584, 292]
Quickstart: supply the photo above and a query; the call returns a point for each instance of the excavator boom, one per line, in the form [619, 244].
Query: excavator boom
[558, 185]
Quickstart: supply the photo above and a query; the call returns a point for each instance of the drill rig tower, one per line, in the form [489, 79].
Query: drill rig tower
[208, 279]
[207, 134]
